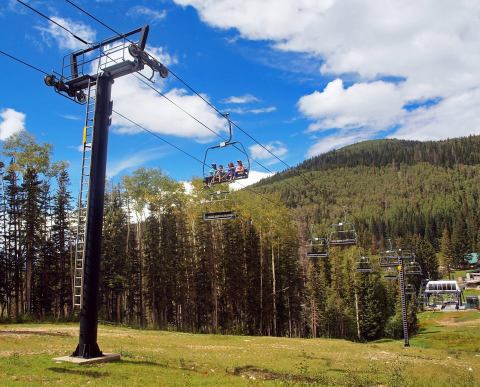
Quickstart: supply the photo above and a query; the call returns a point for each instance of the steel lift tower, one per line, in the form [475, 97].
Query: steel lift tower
[87, 78]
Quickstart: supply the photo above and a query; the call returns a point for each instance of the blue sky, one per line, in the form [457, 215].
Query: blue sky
[302, 77]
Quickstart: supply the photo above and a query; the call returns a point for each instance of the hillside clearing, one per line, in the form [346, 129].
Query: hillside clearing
[446, 350]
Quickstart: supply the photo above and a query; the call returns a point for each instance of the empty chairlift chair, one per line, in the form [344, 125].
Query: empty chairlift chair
[409, 290]
[219, 206]
[389, 258]
[343, 234]
[364, 265]
[412, 268]
[317, 248]
[391, 274]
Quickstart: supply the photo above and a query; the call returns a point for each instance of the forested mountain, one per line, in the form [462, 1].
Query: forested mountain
[380, 153]
[164, 267]
[391, 188]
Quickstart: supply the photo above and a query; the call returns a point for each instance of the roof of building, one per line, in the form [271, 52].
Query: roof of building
[472, 258]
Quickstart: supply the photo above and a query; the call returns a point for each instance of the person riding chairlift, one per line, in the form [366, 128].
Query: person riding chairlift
[240, 170]
[212, 172]
[231, 171]
[219, 175]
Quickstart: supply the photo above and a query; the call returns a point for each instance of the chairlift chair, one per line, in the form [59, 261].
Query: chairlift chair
[317, 248]
[219, 177]
[409, 289]
[219, 206]
[389, 258]
[412, 268]
[343, 234]
[364, 265]
[391, 274]
[406, 255]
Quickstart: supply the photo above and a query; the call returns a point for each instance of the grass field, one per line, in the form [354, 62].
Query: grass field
[445, 353]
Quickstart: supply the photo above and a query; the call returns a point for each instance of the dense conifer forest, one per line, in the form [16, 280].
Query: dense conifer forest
[164, 267]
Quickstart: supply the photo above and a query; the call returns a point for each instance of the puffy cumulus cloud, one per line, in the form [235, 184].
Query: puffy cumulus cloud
[11, 122]
[62, 37]
[148, 108]
[139, 102]
[376, 105]
[267, 19]
[262, 153]
[253, 177]
[371, 39]
[333, 142]
[431, 48]
[162, 55]
[453, 117]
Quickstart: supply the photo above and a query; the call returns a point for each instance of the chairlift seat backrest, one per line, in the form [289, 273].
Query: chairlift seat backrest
[364, 265]
[389, 258]
[317, 248]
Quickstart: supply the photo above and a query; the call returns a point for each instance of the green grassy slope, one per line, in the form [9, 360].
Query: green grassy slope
[446, 350]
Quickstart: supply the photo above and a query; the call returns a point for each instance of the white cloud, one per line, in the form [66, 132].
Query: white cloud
[333, 142]
[134, 160]
[149, 109]
[11, 122]
[241, 99]
[268, 109]
[376, 105]
[152, 14]
[188, 187]
[63, 38]
[276, 147]
[162, 55]
[453, 117]
[253, 177]
[71, 117]
[430, 47]
[140, 103]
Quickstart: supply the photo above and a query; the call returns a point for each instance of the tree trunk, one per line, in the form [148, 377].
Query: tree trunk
[274, 293]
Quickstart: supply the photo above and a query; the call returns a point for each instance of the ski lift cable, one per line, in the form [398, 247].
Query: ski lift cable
[139, 126]
[23, 62]
[198, 94]
[148, 84]
[54, 22]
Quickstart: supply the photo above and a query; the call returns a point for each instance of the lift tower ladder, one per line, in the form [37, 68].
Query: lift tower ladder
[83, 195]
[403, 300]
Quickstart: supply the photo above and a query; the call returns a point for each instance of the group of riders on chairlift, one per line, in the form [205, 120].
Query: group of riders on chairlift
[224, 175]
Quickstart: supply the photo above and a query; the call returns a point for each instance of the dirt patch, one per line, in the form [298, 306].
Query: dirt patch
[208, 347]
[255, 373]
[34, 332]
[454, 322]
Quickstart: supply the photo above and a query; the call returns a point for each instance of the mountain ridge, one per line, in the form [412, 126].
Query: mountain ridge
[384, 152]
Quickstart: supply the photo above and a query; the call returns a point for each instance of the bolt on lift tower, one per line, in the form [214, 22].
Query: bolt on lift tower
[87, 77]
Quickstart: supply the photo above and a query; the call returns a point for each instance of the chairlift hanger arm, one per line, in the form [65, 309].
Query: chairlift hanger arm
[141, 58]
[141, 43]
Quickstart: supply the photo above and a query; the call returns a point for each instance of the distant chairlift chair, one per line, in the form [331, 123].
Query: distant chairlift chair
[317, 248]
[219, 207]
[391, 274]
[409, 290]
[412, 268]
[343, 234]
[364, 265]
[389, 258]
